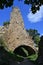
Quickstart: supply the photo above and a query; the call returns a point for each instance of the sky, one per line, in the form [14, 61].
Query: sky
[31, 21]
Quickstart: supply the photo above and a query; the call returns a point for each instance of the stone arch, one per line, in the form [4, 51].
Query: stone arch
[18, 50]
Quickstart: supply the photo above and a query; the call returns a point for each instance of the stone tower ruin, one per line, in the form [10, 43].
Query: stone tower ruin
[16, 34]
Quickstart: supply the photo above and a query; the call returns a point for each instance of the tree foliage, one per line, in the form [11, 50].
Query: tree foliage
[5, 3]
[35, 4]
[40, 52]
[6, 23]
[36, 39]
[34, 34]
[1, 42]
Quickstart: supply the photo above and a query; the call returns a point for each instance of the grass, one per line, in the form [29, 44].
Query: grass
[33, 57]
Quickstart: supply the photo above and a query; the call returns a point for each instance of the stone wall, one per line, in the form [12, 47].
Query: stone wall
[1, 31]
[16, 34]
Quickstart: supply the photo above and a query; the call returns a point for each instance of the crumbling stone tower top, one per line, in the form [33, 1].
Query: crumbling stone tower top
[16, 34]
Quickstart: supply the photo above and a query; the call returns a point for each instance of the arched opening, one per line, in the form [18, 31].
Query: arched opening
[24, 51]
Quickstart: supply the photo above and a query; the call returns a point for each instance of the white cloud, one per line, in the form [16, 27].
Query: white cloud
[35, 17]
[41, 34]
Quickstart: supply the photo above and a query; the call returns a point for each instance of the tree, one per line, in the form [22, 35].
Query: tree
[35, 4]
[5, 3]
[1, 42]
[40, 52]
[37, 39]
[6, 23]
[34, 34]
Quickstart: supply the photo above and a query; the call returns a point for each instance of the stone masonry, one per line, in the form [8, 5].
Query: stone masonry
[16, 34]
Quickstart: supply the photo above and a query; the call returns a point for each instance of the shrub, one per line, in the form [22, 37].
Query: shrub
[6, 23]
[1, 42]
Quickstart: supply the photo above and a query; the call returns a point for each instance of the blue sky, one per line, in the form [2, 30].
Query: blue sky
[34, 21]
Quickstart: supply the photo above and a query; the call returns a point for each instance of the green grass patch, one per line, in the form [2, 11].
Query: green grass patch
[33, 57]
